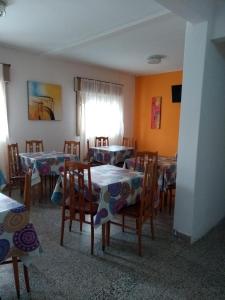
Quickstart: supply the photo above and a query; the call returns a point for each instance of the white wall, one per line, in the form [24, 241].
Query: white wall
[219, 21]
[200, 198]
[210, 188]
[26, 66]
[194, 58]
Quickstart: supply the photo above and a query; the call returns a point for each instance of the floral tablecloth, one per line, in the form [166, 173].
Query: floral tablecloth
[167, 170]
[45, 163]
[110, 154]
[2, 181]
[114, 187]
[17, 235]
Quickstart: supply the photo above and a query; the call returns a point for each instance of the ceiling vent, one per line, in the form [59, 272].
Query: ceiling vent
[156, 58]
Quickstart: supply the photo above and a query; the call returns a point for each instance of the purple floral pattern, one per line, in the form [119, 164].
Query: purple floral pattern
[17, 235]
[26, 239]
[167, 170]
[113, 187]
[45, 163]
[14, 221]
[111, 154]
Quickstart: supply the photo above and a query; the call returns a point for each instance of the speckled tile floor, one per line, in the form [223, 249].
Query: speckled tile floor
[169, 268]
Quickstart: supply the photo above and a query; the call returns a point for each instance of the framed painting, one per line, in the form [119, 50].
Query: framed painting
[156, 112]
[44, 101]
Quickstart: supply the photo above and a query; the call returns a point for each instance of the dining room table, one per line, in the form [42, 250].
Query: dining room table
[113, 188]
[18, 237]
[112, 155]
[44, 163]
[167, 170]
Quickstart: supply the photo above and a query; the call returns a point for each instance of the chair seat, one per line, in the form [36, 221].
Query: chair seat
[87, 209]
[131, 211]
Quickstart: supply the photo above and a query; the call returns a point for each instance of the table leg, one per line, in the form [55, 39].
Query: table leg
[103, 237]
[108, 233]
[16, 275]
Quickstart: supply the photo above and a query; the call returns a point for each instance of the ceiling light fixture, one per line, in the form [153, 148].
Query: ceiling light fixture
[156, 58]
[2, 8]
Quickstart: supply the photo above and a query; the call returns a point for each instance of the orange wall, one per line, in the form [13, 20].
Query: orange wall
[165, 139]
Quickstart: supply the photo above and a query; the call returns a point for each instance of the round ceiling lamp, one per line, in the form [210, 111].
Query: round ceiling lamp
[2, 8]
[156, 58]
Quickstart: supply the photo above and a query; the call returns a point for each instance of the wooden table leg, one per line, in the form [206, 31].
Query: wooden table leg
[108, 233]
[16, 275]
[26, 277]
[103, 237]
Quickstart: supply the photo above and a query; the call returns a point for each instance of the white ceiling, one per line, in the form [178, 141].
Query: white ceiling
[119, 34]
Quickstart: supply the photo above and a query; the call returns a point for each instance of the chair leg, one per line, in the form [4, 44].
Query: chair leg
[123, 222]
[139, 238]
[16, 275]
[103, 237]
[9, 190]
[70, 225]
[92, 235]
[62, 226]
[21, 188]
[170, 201]
[92, 239]
[81, 222]
[108, 233]
[26, 277]
[137, 226]
[152, 228]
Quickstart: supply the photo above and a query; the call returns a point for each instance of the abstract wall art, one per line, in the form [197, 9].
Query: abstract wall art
[156, 112]
[44, 101]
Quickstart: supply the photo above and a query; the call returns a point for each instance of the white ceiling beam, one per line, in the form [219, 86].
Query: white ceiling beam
[194, 11]
[109, 33]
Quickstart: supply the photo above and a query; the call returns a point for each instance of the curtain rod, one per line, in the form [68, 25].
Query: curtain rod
[99, 80]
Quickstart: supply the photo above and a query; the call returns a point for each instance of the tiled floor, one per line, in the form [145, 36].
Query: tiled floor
[169, 268]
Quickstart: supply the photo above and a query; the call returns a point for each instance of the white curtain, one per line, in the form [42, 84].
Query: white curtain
[101, 106]
[4, 132]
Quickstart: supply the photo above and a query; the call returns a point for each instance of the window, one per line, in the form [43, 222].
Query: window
[100, 110]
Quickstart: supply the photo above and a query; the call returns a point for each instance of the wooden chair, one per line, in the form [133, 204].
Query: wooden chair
[144, 209]
[101, 141]
[144, 157]
[72, 147]
[16, 175]
[92, 162]
[170, 196]
[129, 142]
[77, 197]
[34, 146]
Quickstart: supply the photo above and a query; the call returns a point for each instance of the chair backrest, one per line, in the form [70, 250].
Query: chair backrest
[101, 141]
[129, 142]
[72, 147]
[27, 189]
[34, 146]
[14, 160]
[144, 157]
[150, 190]
[77, 183]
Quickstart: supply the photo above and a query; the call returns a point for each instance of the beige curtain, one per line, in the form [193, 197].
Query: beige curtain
[100, 112]
[4, 132]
